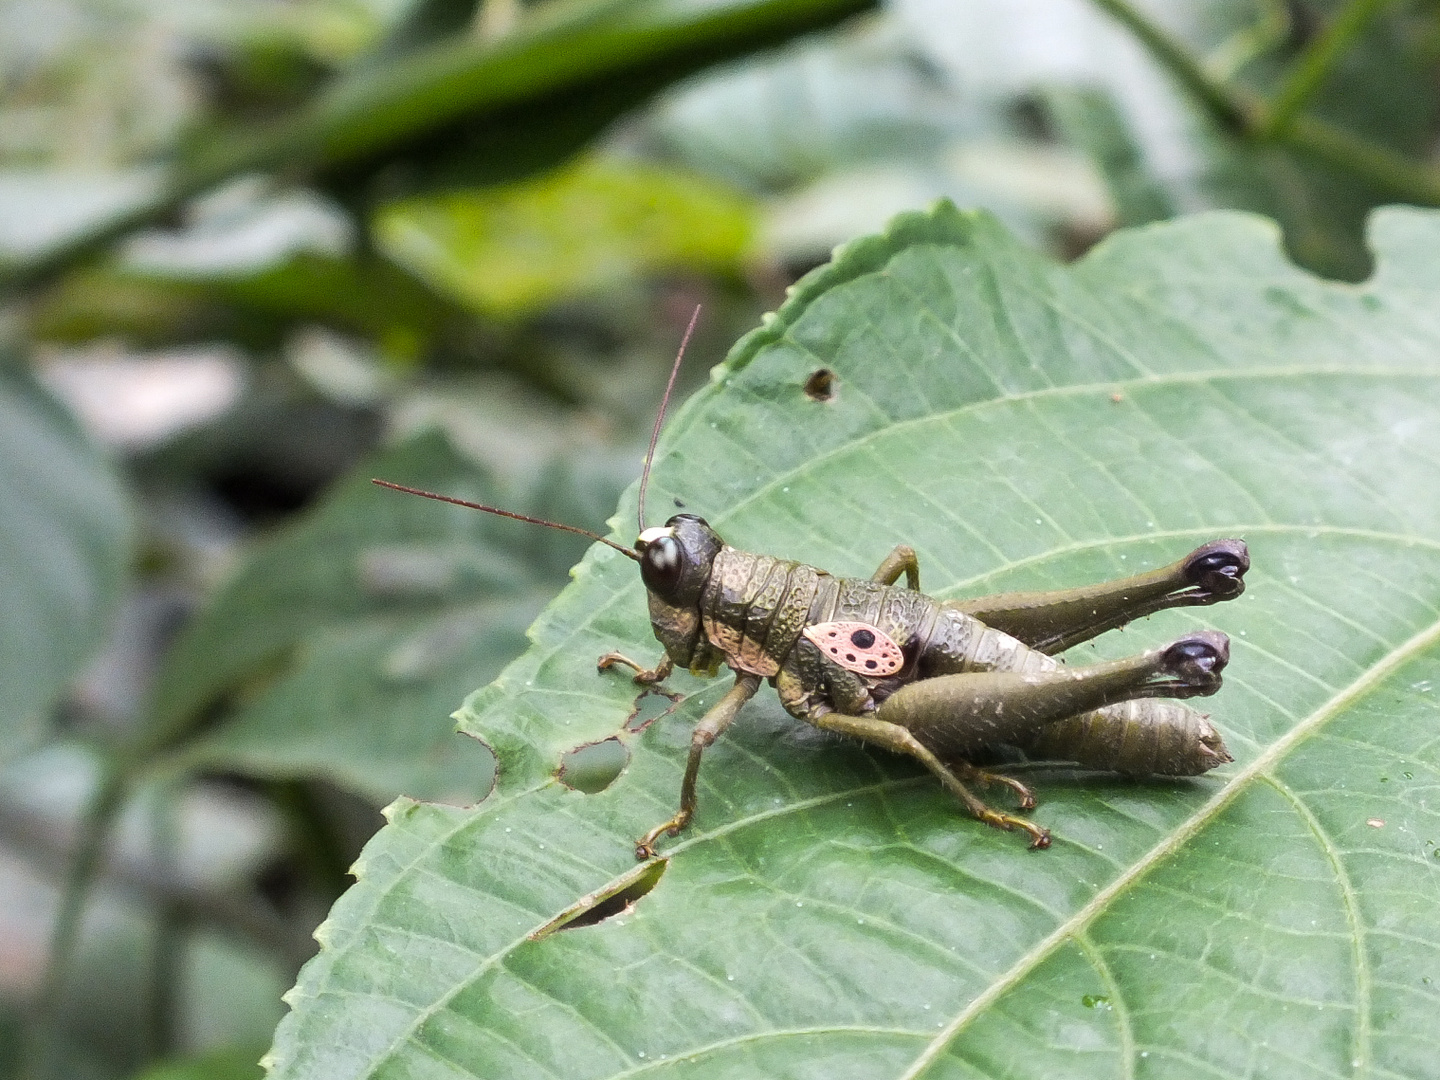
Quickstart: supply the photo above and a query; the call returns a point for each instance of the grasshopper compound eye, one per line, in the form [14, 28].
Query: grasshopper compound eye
[857, 647]
[661, 565]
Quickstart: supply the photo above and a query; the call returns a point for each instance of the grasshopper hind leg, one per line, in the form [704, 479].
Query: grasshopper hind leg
[1052, 622]
[961, 714]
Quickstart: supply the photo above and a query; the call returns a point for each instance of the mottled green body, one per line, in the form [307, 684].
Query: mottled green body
[933, 679]
[753, 609]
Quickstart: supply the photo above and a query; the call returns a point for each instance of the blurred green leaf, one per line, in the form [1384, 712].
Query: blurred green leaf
[991, 48]
[859, 95]
[465, 110]
[39, 208]
[579, 231]
[220, 1065]
[64, 550]
[342, 644]
[1089, 120]
[364, 295]
[831, 911]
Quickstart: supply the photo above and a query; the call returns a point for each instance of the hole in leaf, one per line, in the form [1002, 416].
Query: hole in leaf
[820, 386]
[614, 899]
[593, 767]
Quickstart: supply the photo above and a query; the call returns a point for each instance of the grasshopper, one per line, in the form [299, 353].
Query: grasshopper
[944, 681]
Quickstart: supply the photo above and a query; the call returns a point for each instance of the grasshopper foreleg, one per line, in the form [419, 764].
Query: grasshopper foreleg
[1052, 622]
[711, 726]
[643, 676]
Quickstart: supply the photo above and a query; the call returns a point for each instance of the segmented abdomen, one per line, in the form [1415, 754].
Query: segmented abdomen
[1147, 737]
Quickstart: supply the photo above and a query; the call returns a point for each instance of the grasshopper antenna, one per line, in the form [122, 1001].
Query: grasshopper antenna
[509, 514]
[660, 419]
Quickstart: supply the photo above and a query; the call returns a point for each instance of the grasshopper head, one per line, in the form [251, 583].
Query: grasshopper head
[675, 561]
[675, 558]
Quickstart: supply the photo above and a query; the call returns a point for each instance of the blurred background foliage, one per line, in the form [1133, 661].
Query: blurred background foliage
[254, 252]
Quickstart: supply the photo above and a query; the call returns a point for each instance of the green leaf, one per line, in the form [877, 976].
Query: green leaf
[64, 550]
[465, 110]
[341, 646]
[578, 231]
[831, 912]
[219, 1065]
[368, 296]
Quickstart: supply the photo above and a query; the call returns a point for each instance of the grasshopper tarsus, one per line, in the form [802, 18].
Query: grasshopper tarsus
[643, 676]
[967, 771]
[1039, 837]
[1027, 797]
[645, 846]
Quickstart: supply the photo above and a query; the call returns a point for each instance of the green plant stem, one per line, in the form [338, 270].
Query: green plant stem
[1310, 71]
[1250, 120]
[172, 927]
[1381, 166]
[1225, 107]
[94, 831]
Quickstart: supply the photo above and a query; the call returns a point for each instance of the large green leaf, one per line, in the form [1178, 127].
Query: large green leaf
[64, 548]
[832, 913]
[464, 110]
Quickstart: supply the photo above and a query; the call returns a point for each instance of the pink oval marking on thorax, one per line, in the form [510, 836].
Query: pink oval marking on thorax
[858, 647]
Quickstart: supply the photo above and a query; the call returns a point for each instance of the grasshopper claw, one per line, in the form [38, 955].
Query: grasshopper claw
[645, 846]
[1039, 838]
[1218, 568]
[1199, 658]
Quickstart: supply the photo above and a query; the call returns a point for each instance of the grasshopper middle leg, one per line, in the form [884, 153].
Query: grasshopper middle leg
[899, 739]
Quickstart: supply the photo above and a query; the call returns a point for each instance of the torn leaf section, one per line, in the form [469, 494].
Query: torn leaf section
[615, 898]
[650, 706]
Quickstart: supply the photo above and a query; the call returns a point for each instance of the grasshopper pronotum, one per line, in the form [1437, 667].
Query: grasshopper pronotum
[942, 681]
